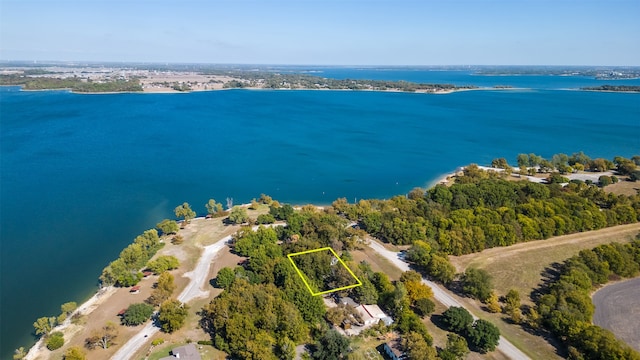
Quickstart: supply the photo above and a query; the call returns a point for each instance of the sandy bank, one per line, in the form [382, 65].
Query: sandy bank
[39, 349]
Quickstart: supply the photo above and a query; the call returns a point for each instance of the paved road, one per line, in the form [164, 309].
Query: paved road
[443, 297]
[198, 282]
[617, 310]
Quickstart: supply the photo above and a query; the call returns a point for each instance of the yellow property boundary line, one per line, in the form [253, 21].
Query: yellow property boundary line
[302, 276]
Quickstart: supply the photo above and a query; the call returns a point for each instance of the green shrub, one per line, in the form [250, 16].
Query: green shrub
[163, 263]
[55, 341]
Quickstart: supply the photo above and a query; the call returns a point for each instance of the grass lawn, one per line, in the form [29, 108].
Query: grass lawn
[521, 266]
[377, 262]
[206, 352]
[365, 349]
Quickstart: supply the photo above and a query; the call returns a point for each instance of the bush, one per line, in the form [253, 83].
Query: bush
[266, 219]
[604, 180]
[205, 342]
[177, 240]
[163, 263]
[74, 353]
[157, 341]
[55, 341]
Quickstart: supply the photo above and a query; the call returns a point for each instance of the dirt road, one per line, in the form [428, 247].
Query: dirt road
[195, 289]
[440, 294]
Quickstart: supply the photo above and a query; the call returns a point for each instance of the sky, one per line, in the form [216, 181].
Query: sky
[324, 32]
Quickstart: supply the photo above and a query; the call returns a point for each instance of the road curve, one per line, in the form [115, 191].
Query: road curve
[504, 346]
[194, 289]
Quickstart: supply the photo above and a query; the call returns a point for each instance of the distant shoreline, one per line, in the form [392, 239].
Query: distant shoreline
[171, 91]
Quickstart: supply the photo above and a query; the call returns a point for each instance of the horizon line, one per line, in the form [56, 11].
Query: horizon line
[166, 63]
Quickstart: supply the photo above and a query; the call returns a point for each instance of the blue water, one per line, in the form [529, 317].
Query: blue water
[82, 175]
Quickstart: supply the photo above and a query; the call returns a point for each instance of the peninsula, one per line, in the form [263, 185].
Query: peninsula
[157, 79]
[234, 262]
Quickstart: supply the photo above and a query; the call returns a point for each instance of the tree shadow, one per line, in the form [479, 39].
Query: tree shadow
[438, 320]
[549, 275]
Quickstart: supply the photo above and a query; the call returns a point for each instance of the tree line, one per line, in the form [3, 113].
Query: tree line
[565, 306]
[271, 80]
[72, 83]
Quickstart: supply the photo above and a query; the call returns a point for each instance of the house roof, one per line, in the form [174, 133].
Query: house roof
[374, 311]
[135, 288]
[348, 301]
[395, 347]
[186, 352]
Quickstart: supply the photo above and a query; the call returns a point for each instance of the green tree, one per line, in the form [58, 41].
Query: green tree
[225, 278]
[457, 348]
[331, 346]
[457, 319]
[366, 293]
[55, 341]
[168, 226]
[441, 269]
[19, 353]
[512, 305]
[44, 325]
[424, 306]
[163, 263]
[213, 208]
[137, 314]
[419, 253]
[172, 315]
[184, 211]
[163, 290]
[493, 304]
[286, 349]
[500, 163]
[523, 160]
[74, 353]
[265, 219]
[68, 307]
[416, 348]
[238, 215]
[477, 284]
[484, 335]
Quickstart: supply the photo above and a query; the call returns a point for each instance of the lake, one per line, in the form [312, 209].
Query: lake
[82, 175]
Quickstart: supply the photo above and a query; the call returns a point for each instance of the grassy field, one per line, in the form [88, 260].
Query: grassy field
[521, 266]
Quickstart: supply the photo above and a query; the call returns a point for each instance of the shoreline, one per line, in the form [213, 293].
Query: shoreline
[205, 258]
[171, 91]
[86, 308]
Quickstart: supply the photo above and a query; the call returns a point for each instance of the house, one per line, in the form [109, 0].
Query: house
[393, 350]
[348, 301]
[122, 312]
[135, 290]
[372, 314]
[186, 352]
